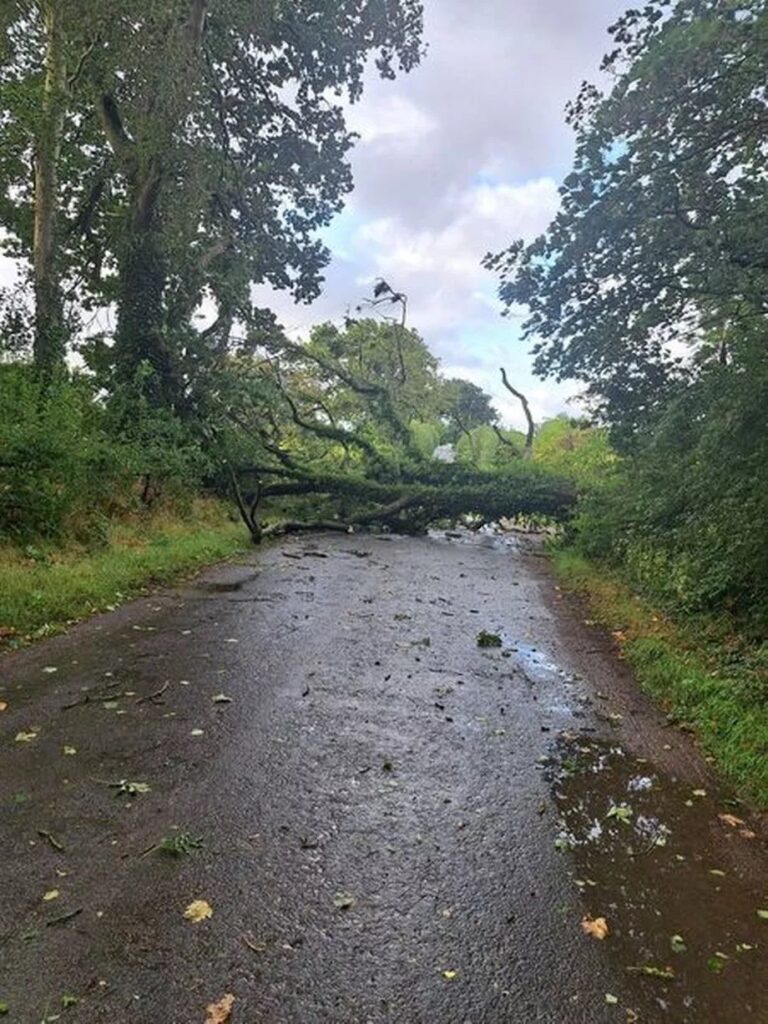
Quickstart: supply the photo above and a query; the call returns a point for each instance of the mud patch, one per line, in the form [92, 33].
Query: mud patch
[659, 861]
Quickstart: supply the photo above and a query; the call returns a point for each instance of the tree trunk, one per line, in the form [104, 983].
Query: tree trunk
[140, 337]
[50, 332]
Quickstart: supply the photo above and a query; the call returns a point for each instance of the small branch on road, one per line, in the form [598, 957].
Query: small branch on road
[156, 694]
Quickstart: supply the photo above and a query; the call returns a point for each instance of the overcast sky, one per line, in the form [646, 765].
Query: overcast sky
[458, 158]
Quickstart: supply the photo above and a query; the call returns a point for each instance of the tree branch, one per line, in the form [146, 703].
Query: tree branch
[528, 451]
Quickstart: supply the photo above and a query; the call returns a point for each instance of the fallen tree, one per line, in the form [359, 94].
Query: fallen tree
[330, 428]
[408, 505]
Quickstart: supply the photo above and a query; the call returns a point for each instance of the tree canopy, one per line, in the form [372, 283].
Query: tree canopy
[185, 151]
[658, 256]
[651, 287]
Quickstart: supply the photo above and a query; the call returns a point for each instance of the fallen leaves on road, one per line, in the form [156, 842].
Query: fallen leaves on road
[449, 975]
[344, 900]
[732, 820]
[763, 915]
[716, 963]
[219, 1013]
[198, 910]
[486, 639]
[52, 894]
[126, 788]
[597, 927]
[621, 812]
[651, 971]
[25, 737]
[69, 751]
[3, 705]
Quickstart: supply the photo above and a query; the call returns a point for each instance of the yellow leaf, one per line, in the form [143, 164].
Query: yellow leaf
[69, 751]
[198, 910]
[731, 819]
[219, 1013]
[25, 737]
[597, 927]
[52, 894]
[3, 705]
[449, 975]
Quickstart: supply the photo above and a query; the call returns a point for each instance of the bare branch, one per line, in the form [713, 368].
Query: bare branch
[528, 451]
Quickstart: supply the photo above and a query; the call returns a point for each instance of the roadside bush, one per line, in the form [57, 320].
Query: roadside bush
[685, 514]
[56, 463]
[66, 470]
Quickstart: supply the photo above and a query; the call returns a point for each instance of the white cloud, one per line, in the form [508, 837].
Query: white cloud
[390, 119]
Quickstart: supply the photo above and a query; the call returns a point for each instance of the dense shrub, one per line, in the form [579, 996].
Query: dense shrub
[66, 469]
[686, 513]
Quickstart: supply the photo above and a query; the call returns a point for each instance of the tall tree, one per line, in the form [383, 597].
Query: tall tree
[661, 238]
[46, 44]
[208, 143]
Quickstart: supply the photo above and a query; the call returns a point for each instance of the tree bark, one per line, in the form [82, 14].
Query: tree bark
[50, 332]
[142, 314]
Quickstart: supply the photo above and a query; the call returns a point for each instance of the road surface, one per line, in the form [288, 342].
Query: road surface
[395, 824]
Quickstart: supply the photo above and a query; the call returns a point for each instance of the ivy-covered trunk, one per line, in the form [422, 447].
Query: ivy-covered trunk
[140, 342]
[50, 331]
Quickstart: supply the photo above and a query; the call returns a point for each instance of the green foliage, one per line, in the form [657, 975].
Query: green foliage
[687, 668]
[58, 468]
[661, 232]
[194, 150]
[478, 448]
[465, 407]
[425, 436]
[651, 287]
[40, 596]
[485, 639]
[65, 469]
[576, 450]
[180, 844]
[685, 515]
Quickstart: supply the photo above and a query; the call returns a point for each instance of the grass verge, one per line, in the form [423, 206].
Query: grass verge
[45, 589]
[689, 668]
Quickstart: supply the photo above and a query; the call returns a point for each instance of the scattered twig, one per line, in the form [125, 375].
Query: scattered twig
[51, 839]
[63, 918]
[156, 694]
[89, 698]
[255, 947]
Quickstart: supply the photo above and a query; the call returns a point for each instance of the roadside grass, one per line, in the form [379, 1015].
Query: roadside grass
[690, 668]
[45, 588]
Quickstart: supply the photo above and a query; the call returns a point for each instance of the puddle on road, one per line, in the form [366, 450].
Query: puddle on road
[654, 857]
[534, 664]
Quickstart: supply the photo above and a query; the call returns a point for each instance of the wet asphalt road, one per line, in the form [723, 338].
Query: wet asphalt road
[397, 825]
